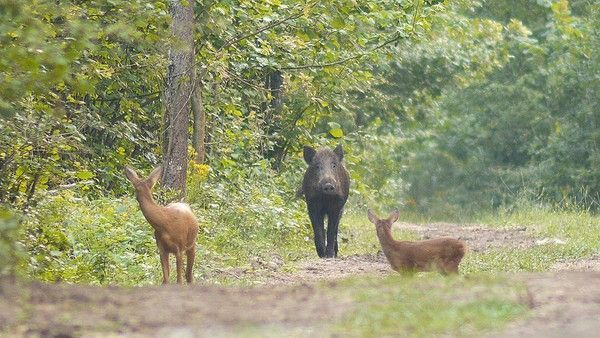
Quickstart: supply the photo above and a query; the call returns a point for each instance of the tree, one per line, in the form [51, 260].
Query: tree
[179, 93]
[199, 124]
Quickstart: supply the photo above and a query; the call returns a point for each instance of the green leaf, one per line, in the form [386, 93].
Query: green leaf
[335, 130]
[84, 174]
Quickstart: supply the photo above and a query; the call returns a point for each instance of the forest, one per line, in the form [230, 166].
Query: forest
[481, 114]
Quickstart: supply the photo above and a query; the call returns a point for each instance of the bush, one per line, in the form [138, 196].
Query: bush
[10, 251]
[103, 241]
[248, 214]
[108, 241]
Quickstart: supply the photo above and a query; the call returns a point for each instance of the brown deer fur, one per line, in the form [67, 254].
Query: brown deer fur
[175, 226]
[442, 254]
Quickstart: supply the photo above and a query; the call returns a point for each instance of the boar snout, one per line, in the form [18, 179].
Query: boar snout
[328, 186]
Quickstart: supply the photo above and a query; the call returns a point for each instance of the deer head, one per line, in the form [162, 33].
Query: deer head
[143, 186]
[385, 223]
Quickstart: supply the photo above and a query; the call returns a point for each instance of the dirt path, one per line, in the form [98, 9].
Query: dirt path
[563, 302]
[60, 310]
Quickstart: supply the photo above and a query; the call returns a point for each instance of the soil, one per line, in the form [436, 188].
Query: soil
[477, 237]
[564, 302]
[61, 310]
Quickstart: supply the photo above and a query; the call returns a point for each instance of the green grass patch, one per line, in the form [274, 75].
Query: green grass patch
[576, 231]
[536, 258]
[429, 304]
[576, 227]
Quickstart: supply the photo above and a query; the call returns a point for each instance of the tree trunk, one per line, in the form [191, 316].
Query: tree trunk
[275, 85]
[272, 118]
[209, 150]
[178, 96]
[199, 130]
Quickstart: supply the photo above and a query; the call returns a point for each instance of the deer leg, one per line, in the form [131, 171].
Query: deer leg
[452, 268]
[164, 262]
[190, 255]
[179, 264]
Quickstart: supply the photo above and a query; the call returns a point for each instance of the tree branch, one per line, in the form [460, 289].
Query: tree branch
[241, 37]
[109, 99]
[346, 59]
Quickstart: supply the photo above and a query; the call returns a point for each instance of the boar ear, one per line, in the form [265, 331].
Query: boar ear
[372, 217]
[131, 175]
[154, 176]
[394, 216]
[339, 151]
[309, 153]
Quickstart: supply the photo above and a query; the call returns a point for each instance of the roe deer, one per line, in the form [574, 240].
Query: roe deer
[443, 254]
[175, 226]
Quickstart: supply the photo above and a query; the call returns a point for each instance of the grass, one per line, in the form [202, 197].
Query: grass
[108, 241]
[429, 304]
[536, 258]
[578, 228]
[577, 231]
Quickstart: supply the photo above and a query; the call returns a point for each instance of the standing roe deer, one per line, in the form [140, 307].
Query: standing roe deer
[443, 254]
[175, 226]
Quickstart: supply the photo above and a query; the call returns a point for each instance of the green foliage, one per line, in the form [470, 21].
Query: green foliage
[101, 109]
[244, 221]
[82, 81]
[10, 251]
[529, 125]
[108, 241]
[90, 241]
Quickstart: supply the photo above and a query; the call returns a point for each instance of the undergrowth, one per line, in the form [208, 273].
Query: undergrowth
[243, 226]
[246, 228]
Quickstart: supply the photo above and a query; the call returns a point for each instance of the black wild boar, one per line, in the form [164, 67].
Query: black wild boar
[325, 188]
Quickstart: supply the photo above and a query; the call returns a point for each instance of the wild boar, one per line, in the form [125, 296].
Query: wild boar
[325, 187]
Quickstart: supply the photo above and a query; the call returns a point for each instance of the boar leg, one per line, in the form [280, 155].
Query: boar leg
[333, 222]
[317, 218]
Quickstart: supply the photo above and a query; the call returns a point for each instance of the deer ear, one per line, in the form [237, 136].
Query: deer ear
[154, 176]
[339, 152]
[372, 217]
[309, 153]
[394, 216]
[131, 175]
